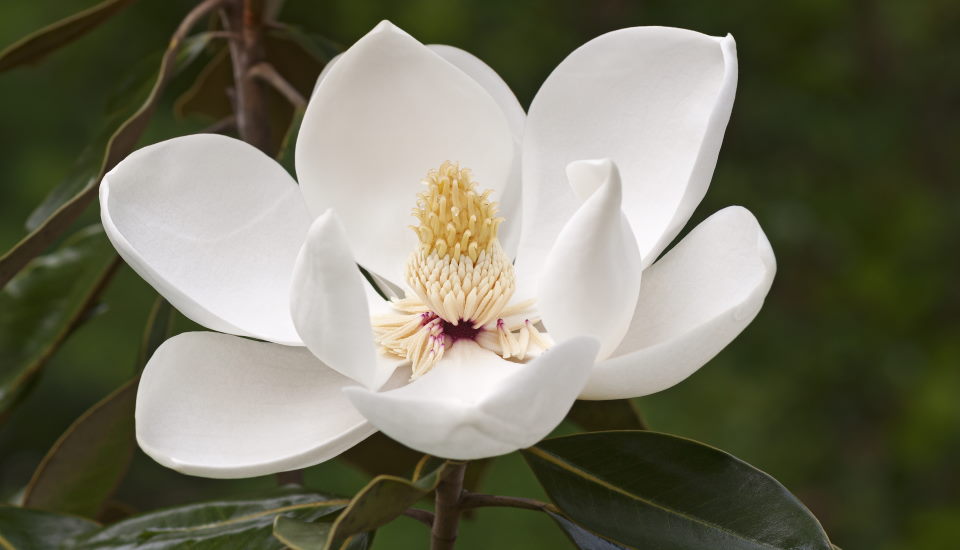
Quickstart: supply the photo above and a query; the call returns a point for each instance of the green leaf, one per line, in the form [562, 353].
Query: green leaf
[47, 40]
[85, 465]
[289, 144]
[595, 416]
[25, 529]
[159, 328]
[42, 305]
[653, 490]
[583, 538]
[302, 535]
[378, 454]
[120, 144]
[223, 525]
[131, 94]
[382, 500]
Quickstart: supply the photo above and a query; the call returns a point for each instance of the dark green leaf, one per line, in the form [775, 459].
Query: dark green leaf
[159, 328]
[289, 144]
[133, 92]
[583, 538]
[303, 535]
[39, 44]
[25, 529]
[224, 525]
[595, 416]
[382, 500]
[84, 466]
[652, 490]
[378, 454]
[40, 307]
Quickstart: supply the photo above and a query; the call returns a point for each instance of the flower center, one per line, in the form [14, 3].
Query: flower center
[460, 279]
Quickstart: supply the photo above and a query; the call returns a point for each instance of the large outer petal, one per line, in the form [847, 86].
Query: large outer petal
[656, 100]
[328, 300]
[387, 112]
[693, 302]
[214, 225]
[219, 406]
[591, 278]
[474, 404]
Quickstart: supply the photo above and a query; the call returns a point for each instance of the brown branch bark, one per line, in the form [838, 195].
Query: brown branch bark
[244, 18]
[446, 524]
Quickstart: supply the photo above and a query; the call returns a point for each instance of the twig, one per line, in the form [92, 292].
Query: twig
[267, 73]
[446, 524]
[423, 516]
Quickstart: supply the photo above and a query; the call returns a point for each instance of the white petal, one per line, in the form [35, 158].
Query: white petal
[656, 100]
[490, 80]
[214, 225]
[693, 302]
[328, 301]
[387, 112]
[219, 406]
[474, 404]
[591, 278]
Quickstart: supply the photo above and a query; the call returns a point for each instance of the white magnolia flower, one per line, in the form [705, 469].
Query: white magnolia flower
[480, 355]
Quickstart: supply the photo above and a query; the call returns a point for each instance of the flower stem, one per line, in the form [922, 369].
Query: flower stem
[446, 523]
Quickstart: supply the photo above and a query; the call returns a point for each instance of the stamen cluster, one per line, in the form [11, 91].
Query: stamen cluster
[461, 279]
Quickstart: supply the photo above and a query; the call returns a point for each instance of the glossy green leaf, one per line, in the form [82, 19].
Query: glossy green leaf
[653, 490]
[40, 307]
[303, 535]
[381, 501]
[224, 525]
[583, 538]
[596, 416]
[85, 465]
[25, 529]
[47, 40]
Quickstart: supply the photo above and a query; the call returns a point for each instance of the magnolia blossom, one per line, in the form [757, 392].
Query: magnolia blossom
[493, 327]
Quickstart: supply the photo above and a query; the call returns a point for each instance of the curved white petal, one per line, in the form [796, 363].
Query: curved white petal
[474, 404]
[489, 79]
[693, 302]
[656, 100]
[214, 225]
[591, 278]
[387, 112]
[328, 301]
[214, 405]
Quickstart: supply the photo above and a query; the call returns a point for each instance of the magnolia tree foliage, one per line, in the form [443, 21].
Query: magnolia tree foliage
[532, 289]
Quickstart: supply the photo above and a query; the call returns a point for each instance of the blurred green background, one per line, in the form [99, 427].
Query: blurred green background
[843, 142]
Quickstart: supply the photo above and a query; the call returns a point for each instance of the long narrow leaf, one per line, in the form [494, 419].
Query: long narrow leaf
[37, 45]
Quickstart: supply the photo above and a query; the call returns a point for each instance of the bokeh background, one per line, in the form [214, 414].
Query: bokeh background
[844, 142]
